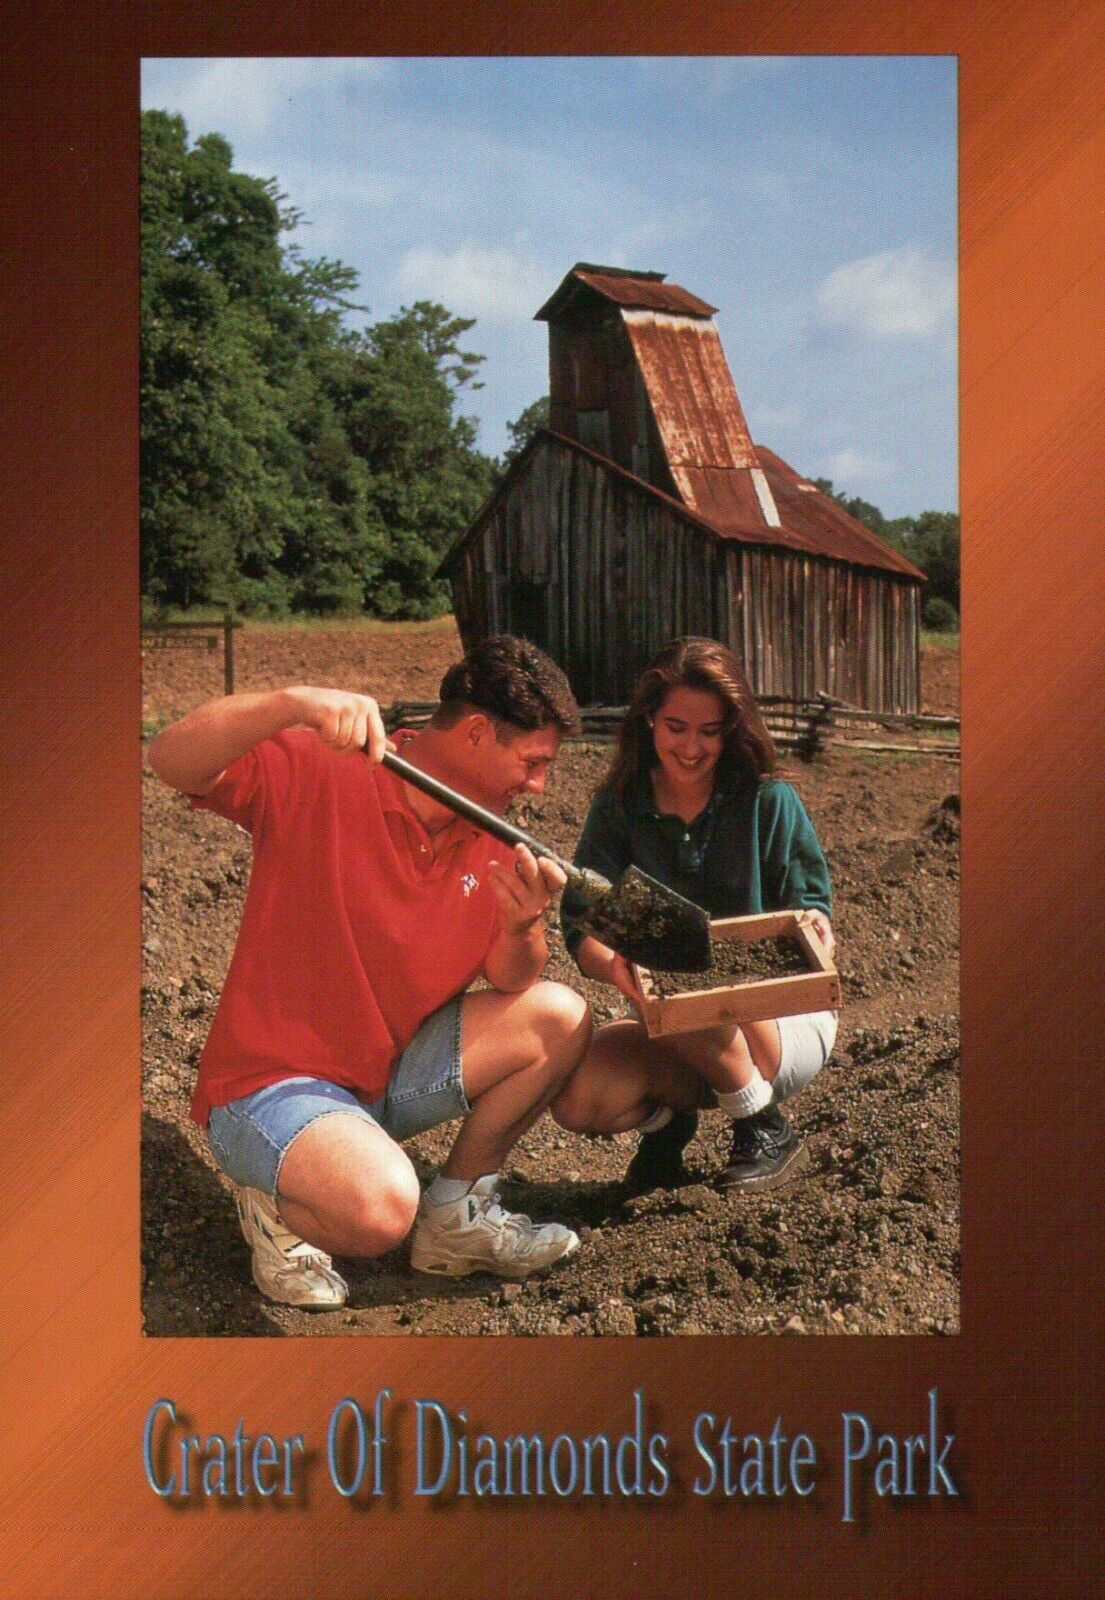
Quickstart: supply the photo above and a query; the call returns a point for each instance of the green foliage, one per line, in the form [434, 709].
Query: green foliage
[523, 428]
[939, 616]
[288, 464]
[933, 545]
[930, 541]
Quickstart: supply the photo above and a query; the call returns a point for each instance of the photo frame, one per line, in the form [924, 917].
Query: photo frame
[1015, 1389]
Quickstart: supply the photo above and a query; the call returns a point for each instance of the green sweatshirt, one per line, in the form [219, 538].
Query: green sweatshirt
[752, 849]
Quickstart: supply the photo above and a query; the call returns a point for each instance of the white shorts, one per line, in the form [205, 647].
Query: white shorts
[807, 1043]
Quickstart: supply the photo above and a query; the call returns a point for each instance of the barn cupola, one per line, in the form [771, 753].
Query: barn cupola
[637, 374]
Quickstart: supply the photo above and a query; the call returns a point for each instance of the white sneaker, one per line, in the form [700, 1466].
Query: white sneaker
[475, 1234]
[285, 1267]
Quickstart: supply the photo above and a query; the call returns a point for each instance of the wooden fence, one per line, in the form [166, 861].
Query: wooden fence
[802, 727]
[196, 636]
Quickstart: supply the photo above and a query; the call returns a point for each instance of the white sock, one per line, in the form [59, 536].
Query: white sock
[747, 1101]
[657, 1120]
[443, 1191]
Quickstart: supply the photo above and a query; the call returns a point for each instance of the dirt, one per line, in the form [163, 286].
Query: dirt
[649, 923]
[867, 1242]
[734, 961]
[940, 682]
[393, 663]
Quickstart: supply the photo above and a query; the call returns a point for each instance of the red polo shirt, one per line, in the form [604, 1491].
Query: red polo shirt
[353, 931]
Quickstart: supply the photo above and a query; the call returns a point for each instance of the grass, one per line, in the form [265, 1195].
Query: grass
[879, 758]
[304, 624]
[939, 641]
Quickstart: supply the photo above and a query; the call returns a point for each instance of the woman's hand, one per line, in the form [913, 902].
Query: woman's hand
[819, 924]
[623, 975]
[598, 962]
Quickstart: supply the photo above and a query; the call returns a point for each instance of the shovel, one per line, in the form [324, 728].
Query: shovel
[642, 919]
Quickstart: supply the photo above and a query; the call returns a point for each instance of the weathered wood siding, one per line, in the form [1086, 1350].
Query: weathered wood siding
[803, 625]
[600, 574]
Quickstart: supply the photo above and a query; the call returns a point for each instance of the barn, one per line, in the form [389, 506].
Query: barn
[645, 511]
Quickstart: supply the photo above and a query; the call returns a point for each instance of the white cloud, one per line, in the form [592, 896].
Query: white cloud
[248, 93]
[496, 285]
[890, 294]
[847, 467]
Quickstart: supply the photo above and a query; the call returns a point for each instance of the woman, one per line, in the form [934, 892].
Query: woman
[690, 799]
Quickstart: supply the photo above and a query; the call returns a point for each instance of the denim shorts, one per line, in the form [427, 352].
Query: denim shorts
[250, 1137]
[807, 1043]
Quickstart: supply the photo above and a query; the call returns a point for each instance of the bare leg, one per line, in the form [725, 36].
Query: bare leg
[517, 1052]
[625, 1075]
[727, 1057]
[347, 1187]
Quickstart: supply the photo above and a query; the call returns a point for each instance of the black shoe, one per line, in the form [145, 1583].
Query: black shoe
[658, 1161]
[766, 1151]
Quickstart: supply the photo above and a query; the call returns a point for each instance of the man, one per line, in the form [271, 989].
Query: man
[345, 1025]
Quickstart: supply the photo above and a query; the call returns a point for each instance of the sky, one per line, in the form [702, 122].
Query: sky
[811, 199]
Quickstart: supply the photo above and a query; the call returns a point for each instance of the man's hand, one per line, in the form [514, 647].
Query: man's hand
[342, 720]
[525, 890]
[193, 753]
[819, 924]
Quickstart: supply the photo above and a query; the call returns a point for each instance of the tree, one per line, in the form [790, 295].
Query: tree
[427, 479]
[933, 544]
[523, 428]
[287, 462]
[228, 328]
[930, 540]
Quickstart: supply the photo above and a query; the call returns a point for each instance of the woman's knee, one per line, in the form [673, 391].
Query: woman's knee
[612, 1088]
[578, 1108]
[806, 1043]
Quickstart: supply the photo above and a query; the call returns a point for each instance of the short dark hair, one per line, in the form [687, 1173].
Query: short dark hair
[512, 681]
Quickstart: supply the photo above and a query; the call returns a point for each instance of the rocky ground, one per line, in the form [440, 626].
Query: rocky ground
[866, 1242]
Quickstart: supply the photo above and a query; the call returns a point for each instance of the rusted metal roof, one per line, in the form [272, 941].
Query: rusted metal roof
[734, 488]
[747, 493]
[727, 498]
[637, 290]
[811, 522]
[823, 526]
[691, 391]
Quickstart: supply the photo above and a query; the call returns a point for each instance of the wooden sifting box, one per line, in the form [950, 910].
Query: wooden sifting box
[817, 989]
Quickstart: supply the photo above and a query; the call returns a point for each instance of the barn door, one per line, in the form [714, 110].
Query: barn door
[528, 611]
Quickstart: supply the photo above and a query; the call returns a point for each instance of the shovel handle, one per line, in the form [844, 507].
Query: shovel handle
[489, 821]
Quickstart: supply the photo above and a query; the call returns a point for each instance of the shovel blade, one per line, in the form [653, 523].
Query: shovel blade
[650, 924]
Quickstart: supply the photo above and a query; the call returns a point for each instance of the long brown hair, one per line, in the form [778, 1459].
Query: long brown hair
[748, 753]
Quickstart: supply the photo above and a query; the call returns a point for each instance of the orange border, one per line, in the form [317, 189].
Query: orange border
[1022, 1387]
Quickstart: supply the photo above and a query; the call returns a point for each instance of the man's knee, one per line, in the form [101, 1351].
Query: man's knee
[560, 1015]
[377, 1209]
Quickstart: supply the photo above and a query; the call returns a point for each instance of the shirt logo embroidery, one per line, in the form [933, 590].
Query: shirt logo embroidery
[468, 883]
